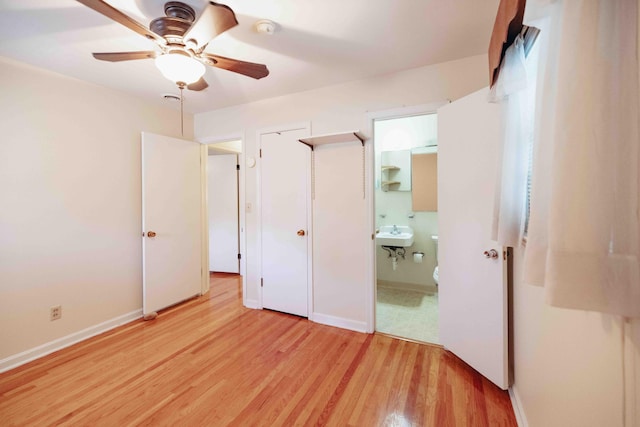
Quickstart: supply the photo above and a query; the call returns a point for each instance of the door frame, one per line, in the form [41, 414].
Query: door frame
[306, 125]
[371, 275]
[241, 211]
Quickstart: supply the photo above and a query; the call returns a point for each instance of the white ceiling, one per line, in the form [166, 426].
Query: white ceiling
[317, 43]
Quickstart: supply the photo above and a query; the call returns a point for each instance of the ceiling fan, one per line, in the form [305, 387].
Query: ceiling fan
[182, 40]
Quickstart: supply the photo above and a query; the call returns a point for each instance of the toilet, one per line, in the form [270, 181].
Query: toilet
[435, 270]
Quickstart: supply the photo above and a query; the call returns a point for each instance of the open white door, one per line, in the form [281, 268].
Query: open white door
[284, 178]
[472, 288]
[222, 174]
[171, 223]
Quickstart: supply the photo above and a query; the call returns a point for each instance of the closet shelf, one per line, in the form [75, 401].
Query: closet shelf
[390, 168]
[333, 138]
[390, 182]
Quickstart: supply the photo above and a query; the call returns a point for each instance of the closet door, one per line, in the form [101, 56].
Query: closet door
[285, 199]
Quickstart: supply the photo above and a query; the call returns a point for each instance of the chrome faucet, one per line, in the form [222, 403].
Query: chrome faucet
[395, 230]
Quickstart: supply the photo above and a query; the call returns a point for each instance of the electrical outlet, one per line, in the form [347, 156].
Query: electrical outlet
[55, 313]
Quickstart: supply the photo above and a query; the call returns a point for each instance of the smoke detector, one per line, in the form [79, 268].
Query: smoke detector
[265, 26]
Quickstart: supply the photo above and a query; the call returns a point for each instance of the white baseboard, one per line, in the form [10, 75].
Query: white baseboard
[516, 403]
[252, 303]
[340, 322]
[631, 370]
[42, 350]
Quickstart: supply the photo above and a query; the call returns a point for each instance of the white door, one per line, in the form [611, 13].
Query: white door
[171, 210]
[472, 288]
[222, 187]
[284, 178]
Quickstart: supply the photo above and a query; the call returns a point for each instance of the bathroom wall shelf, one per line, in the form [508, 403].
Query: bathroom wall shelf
[333, 138]
[388, 174]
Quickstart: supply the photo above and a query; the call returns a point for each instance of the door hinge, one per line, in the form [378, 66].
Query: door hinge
[239, 256]
[237, 167]
[261, 282]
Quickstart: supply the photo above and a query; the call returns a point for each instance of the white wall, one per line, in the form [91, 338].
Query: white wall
[70, 202]
[340, 234]
[333, 109]
[568, 363]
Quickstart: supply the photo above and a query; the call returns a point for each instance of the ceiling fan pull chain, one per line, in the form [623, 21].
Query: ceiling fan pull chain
[181, 110]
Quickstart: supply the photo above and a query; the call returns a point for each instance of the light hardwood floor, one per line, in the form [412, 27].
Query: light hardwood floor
[212, 362]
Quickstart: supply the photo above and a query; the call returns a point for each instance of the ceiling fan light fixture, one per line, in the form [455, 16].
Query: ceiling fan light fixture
[179, 67]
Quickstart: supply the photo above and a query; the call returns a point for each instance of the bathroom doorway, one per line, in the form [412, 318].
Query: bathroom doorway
[406, 223]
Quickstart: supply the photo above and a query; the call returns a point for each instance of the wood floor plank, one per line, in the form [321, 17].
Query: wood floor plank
[211, 361]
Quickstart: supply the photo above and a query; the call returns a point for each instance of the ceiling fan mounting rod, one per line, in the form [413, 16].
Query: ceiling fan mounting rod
[180, 17]
[181, 86]
[169, 28]
[176, 9]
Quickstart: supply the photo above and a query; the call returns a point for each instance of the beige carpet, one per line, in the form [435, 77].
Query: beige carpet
[407, 314]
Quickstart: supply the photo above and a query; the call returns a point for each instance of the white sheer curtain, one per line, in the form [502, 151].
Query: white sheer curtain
[583, 237]
[515, 91]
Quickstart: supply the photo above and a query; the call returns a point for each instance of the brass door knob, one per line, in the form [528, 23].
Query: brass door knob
[151, 234]
[491, 253]
[300, 233]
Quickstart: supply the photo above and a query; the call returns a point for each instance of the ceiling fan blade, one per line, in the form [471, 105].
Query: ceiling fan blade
[115, 15]
[199, 85]
[215, 19]
[125, 56]
[257, 71]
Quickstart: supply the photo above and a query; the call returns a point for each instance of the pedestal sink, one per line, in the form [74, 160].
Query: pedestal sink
[395, 235]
